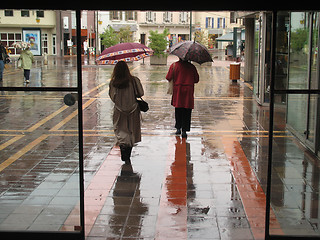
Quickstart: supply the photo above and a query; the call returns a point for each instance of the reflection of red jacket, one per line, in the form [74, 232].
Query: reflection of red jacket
[185, 76]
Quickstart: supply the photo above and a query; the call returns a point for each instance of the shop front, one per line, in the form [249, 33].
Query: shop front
[295, 69]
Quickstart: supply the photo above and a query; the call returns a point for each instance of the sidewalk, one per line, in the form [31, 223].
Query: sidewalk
[210, 186]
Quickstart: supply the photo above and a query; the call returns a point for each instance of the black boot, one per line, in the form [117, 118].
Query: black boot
[128, 155]
[125, 153]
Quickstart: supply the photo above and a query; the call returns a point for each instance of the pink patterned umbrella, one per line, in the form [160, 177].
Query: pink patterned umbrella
[191, 51]
[127, 52]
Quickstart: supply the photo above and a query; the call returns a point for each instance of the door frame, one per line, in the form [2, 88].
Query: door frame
[63, 235]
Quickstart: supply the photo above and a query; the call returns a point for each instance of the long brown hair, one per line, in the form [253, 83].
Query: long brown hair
[121, 75]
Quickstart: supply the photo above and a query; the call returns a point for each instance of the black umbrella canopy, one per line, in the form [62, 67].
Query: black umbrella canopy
[191, 51]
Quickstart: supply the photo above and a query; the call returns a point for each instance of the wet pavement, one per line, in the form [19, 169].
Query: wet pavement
[208, 186]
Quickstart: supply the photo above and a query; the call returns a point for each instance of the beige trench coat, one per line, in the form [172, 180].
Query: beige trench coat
[126, 113]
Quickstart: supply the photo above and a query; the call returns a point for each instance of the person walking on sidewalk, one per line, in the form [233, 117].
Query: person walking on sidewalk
[123, 91]
[184, 75]
[4, 59]
[26, 58]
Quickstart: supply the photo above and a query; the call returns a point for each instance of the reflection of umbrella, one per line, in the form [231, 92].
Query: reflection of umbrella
[191, 51]
[127, 52]
[21, 45]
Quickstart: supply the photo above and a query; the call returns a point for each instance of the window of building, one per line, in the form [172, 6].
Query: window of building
[131, 15]
[233, 18]
[8, 13]
[115, 15]
[167, 17]
[209, 22]
[40, 14]
[8, 39]
[184, 17]
[221, 23]
[150, 16]
[25, 13]
[44, 41]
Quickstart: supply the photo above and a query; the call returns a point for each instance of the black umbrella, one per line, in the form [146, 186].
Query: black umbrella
[191, 51]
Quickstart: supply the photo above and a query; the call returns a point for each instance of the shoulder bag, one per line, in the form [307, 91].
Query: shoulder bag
[143, 105]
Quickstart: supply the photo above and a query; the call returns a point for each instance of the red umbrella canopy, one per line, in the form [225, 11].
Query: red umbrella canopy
[127, 52]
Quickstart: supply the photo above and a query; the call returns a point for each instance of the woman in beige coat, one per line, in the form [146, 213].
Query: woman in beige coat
[123, 91]
[27, 59]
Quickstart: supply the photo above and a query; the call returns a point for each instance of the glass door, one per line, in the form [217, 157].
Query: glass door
[313, 100]
[303, 74]
[41, 170]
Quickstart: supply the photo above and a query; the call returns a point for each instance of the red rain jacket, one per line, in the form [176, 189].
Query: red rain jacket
[185, 75]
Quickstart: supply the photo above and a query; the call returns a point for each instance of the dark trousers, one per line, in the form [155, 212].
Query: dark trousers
[183, 118]
[26, 74]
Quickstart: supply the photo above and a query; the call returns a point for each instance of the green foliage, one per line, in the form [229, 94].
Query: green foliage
[201, 37]
[125, 35]
[158, 41]
[299, 39]
[109, 37]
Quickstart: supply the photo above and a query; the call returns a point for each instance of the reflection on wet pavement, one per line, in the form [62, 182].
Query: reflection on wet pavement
[210, 186]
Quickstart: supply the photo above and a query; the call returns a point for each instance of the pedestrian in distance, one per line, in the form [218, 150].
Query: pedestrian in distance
[4, 59]
[123, 91]
[26, 58]
[184, 75]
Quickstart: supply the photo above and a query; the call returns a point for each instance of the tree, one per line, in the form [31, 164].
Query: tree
[109, 37]
[299, 39]
[158, 41]
[125, 34]
[201, 37]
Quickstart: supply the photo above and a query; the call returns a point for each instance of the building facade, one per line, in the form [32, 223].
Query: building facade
[116, 20]
[35, 26]
[215, 25]
[178, 24]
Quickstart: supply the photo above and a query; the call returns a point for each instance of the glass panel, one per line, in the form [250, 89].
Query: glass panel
[299, 50]
[295, 183]
[57, 72]
[39, 163]
[312, 117]
[257, 56]
[267, 70]
[297, 112]
[314, 81]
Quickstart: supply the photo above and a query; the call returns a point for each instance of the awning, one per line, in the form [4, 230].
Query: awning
[84, 33]
[228, 37]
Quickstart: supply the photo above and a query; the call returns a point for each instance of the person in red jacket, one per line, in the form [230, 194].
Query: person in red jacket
[184, 75]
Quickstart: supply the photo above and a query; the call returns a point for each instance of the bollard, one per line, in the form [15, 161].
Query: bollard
[45, 59]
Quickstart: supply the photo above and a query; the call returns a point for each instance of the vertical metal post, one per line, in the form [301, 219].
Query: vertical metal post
[271, 114]
[190, 37]
[235, 42]
[80, 121]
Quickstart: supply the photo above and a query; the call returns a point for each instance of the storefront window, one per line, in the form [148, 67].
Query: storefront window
[299, 50]
[281, 64]
[298, 71]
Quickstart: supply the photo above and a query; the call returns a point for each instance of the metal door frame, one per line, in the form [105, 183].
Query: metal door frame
[48, 235]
